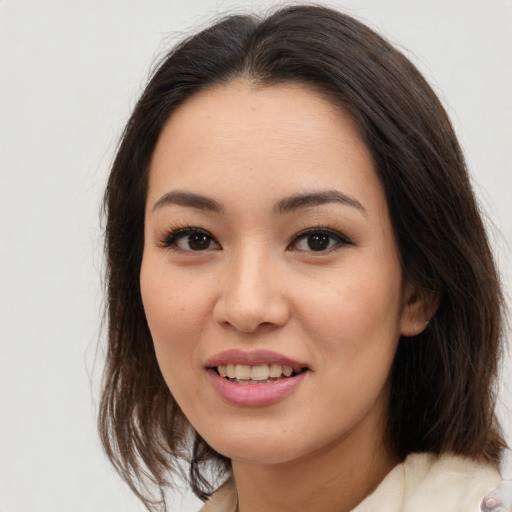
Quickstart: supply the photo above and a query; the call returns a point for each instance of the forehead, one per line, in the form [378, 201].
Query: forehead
[261, 139]
[285, 113]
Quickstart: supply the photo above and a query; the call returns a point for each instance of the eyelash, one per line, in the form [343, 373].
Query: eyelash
[175, 234]
[339, 238]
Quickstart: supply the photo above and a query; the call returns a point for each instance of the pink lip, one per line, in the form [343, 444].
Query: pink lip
[255, 395]
[253, 359]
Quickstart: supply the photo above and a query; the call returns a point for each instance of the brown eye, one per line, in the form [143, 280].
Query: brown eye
[198, 241]
[190, 240]
[319, 240]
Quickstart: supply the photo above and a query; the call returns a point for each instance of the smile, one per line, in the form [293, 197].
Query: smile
[254, 379]
[261, 393]
[258, 374]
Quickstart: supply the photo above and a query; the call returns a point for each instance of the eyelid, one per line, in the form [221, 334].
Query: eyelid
[173, 234]
[168, 241]
[339, 237]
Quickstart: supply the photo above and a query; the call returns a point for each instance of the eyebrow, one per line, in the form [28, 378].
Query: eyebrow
[189, 199]
[307, 200]
[286, 205]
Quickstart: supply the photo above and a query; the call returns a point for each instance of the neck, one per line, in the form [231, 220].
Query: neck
[333, 479]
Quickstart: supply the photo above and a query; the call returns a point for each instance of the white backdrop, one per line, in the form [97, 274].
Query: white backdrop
[69, 74]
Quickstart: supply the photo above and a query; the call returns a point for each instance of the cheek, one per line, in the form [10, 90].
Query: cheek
[172, 301]
[355, 327]
[173, 323]
[175, 320]
[355, 338]
[355, 310]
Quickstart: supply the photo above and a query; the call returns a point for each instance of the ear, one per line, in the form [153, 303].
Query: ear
[418, 308]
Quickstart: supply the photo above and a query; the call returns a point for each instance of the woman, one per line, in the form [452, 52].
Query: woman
[301, 296]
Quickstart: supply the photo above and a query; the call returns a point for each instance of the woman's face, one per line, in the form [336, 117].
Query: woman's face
[269, 248]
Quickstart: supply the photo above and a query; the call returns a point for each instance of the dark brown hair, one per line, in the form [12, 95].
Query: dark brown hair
[443, 380]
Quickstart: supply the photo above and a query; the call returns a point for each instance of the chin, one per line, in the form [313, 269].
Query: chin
[262, 447]
[260, 454]
[265, 446]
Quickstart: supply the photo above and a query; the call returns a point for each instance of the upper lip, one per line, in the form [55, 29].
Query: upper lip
[253, 358]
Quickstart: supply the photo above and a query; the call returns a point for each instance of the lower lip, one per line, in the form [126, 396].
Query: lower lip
[255, 395]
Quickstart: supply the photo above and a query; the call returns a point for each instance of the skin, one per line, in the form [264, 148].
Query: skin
[254, 285]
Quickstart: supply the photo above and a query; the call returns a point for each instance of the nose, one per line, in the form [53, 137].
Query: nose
[252, 295]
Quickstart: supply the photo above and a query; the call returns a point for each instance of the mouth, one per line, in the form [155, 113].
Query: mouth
[257, 374]
[255, 379]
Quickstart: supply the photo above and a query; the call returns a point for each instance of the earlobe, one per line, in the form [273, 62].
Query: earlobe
[418, 308]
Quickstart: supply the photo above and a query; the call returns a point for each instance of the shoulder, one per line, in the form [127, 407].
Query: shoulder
[446, 483]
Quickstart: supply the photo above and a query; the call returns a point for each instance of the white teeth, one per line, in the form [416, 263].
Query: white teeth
[287, 371]
[243, 372]
[275, 370]
[261, 372]
[231, 370]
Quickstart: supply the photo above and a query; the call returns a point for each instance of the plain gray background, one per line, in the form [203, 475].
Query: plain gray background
[69, 74]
